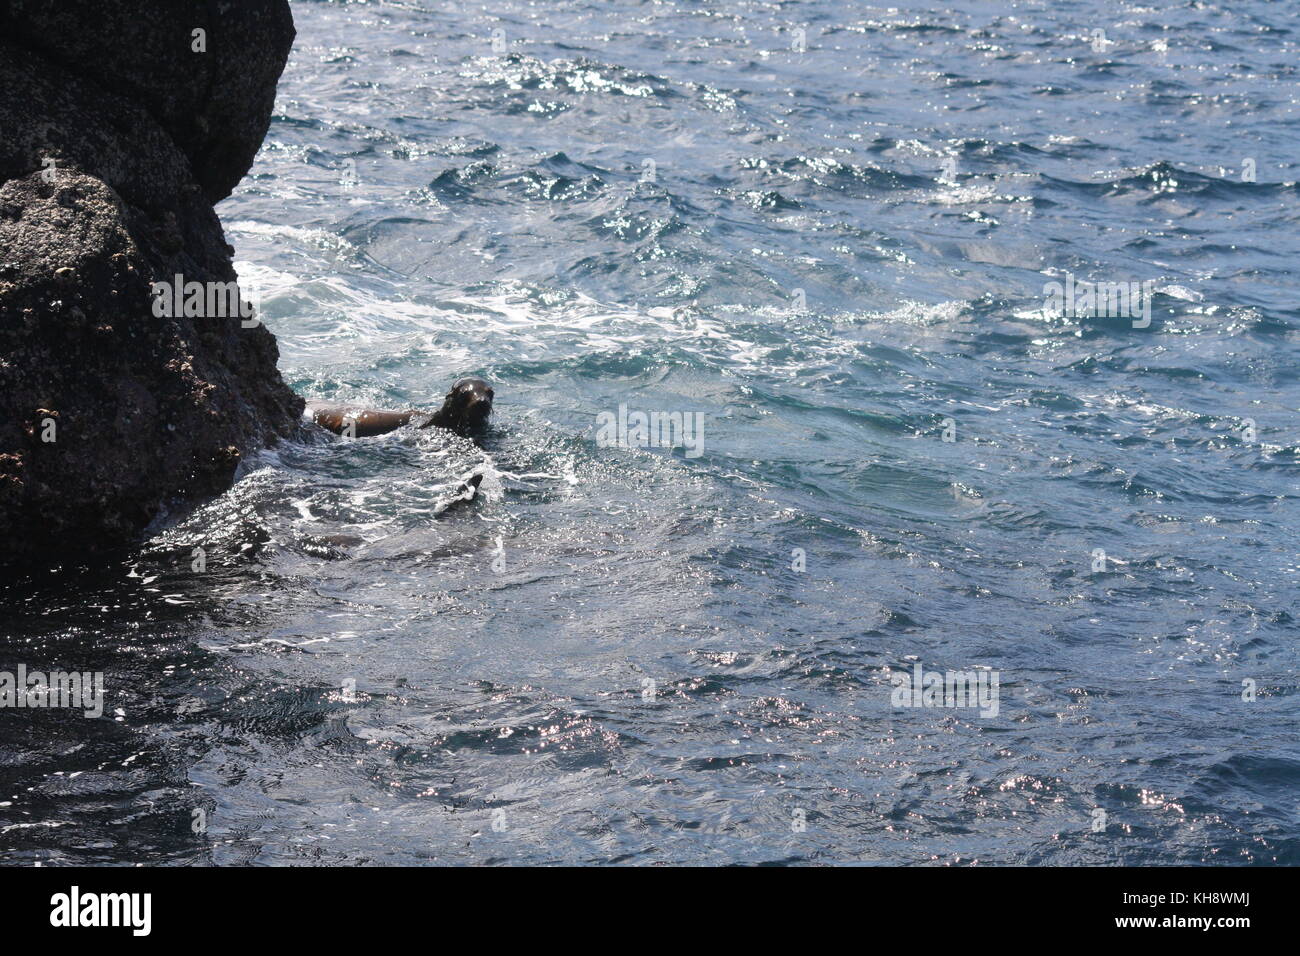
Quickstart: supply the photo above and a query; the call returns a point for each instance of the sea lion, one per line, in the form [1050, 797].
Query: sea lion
[465, 412]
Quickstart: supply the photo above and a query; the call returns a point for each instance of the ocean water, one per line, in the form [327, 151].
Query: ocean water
[826, 231]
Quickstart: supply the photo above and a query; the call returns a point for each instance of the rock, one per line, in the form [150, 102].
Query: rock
[109, 411]
[214, 102]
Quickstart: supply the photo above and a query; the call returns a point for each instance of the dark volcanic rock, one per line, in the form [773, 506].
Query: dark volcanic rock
[215, 104]
[109, 411]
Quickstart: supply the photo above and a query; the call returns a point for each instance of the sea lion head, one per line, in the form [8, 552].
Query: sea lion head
[467, 407]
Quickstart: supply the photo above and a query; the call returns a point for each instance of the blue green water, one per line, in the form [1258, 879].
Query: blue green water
[826, 228]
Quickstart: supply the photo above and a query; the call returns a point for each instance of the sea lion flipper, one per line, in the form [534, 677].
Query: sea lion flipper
[466, 492]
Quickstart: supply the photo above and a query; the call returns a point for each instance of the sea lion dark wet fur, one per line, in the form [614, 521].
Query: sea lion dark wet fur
[465, 411]
[466, 408]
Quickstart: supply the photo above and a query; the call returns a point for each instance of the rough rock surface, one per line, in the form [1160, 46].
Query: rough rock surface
[216, 105]
[110, 159]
